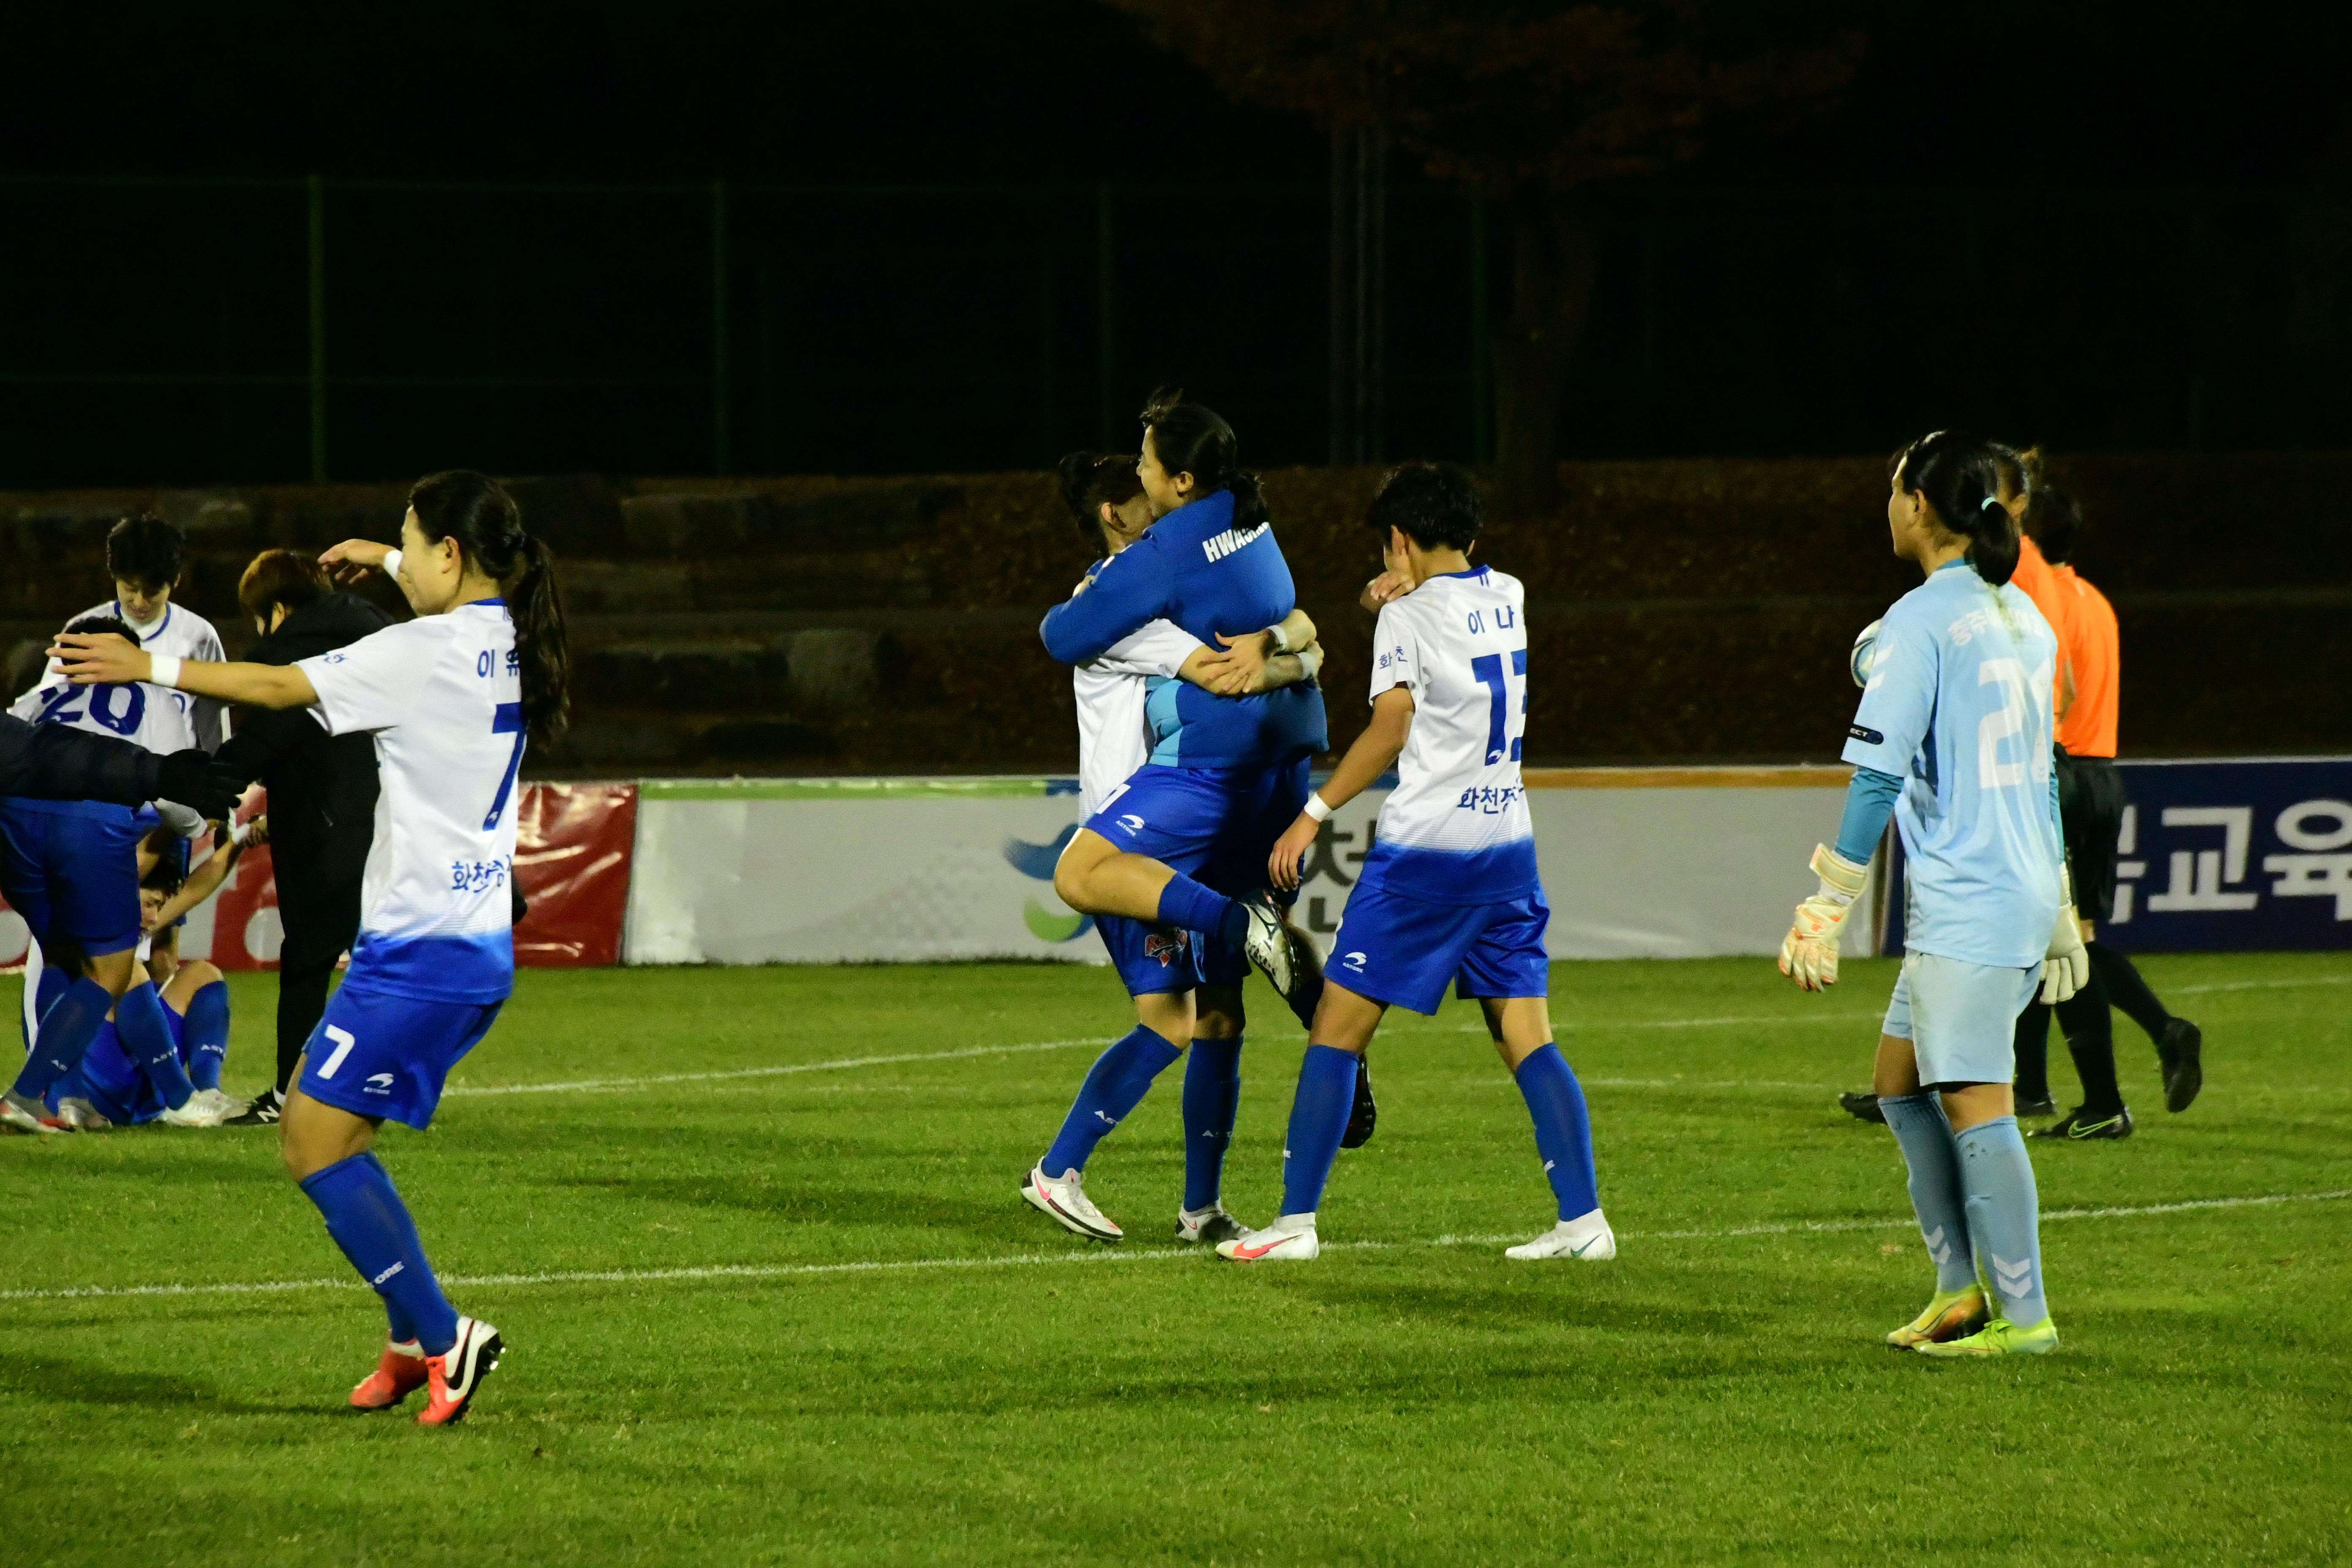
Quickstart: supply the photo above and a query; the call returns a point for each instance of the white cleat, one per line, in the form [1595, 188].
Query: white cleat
[1064, 1198]
[22, 1113]
[1267, 943]
[1209, 1227]
[1587, 1236]
[1290, 1239]
[81, 1115]
[205, 1108]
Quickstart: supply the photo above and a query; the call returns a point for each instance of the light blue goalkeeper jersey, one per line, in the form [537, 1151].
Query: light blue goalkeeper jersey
[1958, 704]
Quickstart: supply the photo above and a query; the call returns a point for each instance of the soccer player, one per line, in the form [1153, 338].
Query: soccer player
[1186, 988]
[1449, 889]
[1955, 720]
[450, 697]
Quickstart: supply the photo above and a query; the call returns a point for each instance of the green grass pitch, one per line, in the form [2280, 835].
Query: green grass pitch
[804, 1316]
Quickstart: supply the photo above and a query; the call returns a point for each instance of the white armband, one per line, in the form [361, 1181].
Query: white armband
[1277, 638]
[164, 669]
[1317, 808]
[1310, 660]
[392, 563]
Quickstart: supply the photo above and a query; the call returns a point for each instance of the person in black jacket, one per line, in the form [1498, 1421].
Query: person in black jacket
[322, 796]
[55, 762]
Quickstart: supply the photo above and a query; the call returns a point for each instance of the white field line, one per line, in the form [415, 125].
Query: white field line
[588, 1084]
[1098, 1255]
[2260, 985]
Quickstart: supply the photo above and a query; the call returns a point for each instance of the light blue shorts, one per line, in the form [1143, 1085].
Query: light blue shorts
[1960, 1018]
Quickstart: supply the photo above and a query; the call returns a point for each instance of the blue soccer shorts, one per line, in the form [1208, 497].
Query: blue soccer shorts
[71, 870]
[1960, 1018]
[1153, 959]
[375, 1054]
[1401, 951]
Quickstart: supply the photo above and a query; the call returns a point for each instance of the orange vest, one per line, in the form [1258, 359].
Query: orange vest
[2040, 585]
[2095, 649]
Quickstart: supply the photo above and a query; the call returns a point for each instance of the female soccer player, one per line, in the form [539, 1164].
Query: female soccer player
[450, 697]
[1450, 889]
[1186, 988]
[1957, 701]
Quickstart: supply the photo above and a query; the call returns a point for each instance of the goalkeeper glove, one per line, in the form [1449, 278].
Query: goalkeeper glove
[2067, 967]
[1809, 954]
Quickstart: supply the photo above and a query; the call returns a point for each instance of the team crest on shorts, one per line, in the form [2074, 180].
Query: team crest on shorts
[1166, 946]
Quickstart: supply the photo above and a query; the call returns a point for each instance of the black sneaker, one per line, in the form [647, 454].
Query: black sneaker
[2080, 1129]
[2182, 1052]
[1365, 1115]
[2045, 1106]
[1862, 1104]
[264, 1110]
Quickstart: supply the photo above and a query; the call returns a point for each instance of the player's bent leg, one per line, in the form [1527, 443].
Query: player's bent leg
[65, 1032]
[1344, 1024]
[198, 996]
[1096, 876]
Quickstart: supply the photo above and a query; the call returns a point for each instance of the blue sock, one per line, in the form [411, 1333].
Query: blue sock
[66, 1031]
[1115, 1085]
[1563, 1129]
[368, 1222]
[1319, 1117]
[1188, 905]
[147, 1040]
[2005, 1217]
[55, 983]
[1918, 1125]
[1213, 1093]
[205, 1034]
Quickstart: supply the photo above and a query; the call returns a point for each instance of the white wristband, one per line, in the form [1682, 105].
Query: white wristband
[162, 669]
[1279, 638]
[392, 563]
[1310, 660]
[1317, 810]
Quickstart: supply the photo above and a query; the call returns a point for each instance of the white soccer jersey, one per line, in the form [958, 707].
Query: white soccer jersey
[1114, 738]
[443, 696]
[1456, 830]
[156, 717]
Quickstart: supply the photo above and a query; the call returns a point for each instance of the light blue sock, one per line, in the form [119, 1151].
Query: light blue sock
[1563, 1129]
[1319, 1120]
[368, 1222]
[1918, 1125]
[205, 1034]
[2005, 1217]
[147, 1040]
[1213, 1095]
[1115, 1085]
[66, 1031]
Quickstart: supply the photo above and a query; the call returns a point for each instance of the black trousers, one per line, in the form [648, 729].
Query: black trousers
[322, 919]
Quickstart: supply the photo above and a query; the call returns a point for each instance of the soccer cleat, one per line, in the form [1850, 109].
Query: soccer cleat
[263, 1110]
[1999, 1337]
[2045, 1106]
[1209, 1225]
[1862, 1104]
[2079, 1129]
[1269, 945]
[399, 1372]
[78, 1115]
[453, 1379]
[2182, 1052]
[205, 1108]
[1064, 1198]
[24, 1114]
[1950, 1315]
[1586, 1237]
[1364, 1115]
[1290, 1239]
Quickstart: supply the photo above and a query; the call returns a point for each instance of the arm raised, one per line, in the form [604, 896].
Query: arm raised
[106, 659]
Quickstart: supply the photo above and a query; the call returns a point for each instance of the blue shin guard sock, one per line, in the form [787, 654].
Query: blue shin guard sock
[1918, 1125]
[1115, 1085]
[67, 1030]
[55, 983]
[2004, 1213]
[147, 1040]
[1213, 1093]
[1318, 1117]
[368, 1222]
[1188, 905]
[1563, 1129]
[205, 1034]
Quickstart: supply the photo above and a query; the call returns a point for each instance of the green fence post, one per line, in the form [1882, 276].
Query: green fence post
[721, 419]
[317, 259]
[1106, 343]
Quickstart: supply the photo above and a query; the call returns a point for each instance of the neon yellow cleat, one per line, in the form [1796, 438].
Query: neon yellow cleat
[1949, 1314]
[2000, 1337]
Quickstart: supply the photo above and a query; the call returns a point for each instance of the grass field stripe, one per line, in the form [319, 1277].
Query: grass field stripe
[584, 1085]
[1101, 1254]
[2208, 990]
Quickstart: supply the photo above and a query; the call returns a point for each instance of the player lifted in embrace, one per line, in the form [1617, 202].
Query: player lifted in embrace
[449, 697]
[1953, 738]
[1449, 891]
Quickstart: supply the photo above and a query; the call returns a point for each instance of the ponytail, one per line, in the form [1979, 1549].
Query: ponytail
[1960, 477]
[477, 512]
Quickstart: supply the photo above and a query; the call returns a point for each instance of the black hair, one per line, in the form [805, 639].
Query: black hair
[1437, 505]
[1194, 438]
[147, 550]
[476, 510]
[2056, 521]
[1960, 477]
[165, 875]
[98, 625]
[1089, 482]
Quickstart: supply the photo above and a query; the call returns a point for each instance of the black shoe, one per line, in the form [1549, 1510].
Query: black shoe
[264, 1112]
[1863, 1106]
[2182, 1052]
[2045, 1106]
[1365, 1115]
[2080, 1129]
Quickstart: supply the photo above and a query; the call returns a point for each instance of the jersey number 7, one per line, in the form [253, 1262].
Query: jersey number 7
[507, 720]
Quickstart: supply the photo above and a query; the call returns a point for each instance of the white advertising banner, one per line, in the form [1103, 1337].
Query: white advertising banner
[1637, 863]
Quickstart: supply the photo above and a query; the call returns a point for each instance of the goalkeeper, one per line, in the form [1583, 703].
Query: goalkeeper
[1953, 739]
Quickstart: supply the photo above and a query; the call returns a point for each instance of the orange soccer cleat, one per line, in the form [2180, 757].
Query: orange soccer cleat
[398, 1374]
[457, 1376]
